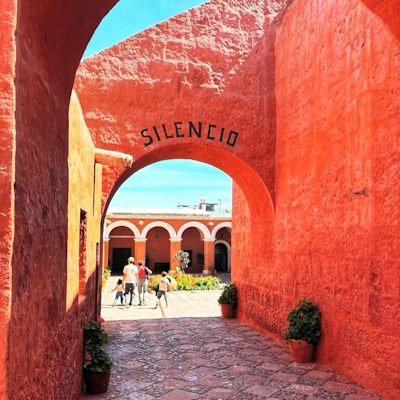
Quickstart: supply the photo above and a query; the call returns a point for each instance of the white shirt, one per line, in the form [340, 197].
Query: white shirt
[163, 284]
[130, 270]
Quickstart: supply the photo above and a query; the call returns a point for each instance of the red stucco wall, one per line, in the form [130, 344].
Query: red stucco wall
[338, 121]
[7, 146]
[43, 334]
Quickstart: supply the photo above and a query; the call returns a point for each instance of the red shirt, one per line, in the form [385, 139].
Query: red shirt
[142, 272]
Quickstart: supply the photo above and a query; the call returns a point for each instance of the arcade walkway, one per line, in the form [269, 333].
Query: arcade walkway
[193, 353]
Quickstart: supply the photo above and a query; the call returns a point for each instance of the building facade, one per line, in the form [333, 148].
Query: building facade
[155, 235]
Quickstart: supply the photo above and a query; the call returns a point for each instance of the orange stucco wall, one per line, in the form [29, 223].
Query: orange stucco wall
[309, 232]
[338, 114]
[327, 125]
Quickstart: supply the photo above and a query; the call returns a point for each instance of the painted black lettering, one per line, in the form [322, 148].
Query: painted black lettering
[166, 133]
[149, 138]
[178, 127]
[155, 131]
[221, 136]
[191, 127]
[209, 132]
[231, 141]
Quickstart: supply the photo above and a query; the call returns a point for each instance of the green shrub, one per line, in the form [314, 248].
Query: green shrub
[228, 295]
[304, 322]
[94, 337]
[189, 282]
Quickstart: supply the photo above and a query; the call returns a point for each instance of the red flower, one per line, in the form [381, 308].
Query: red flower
[101, 320]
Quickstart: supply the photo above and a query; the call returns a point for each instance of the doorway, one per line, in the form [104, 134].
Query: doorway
[119, 259]
[221, 258]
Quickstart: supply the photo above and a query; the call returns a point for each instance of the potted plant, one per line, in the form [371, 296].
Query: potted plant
[304, 330]
[97, 369]
[227, 300]
[211, 270]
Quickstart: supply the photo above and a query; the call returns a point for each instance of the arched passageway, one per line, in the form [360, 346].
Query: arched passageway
[38, 73]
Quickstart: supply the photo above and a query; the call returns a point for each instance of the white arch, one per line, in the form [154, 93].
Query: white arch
[228, 251]
[226, 224]
[156, 224]
[118, 223]
[203, 230]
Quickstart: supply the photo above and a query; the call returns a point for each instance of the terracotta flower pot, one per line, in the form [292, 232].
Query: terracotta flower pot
[302, 352]
[96, 382]
[228, 310]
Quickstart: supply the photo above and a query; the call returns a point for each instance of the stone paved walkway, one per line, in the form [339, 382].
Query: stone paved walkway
[193, 353]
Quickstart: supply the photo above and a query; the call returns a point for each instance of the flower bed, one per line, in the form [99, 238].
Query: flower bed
[189, 282]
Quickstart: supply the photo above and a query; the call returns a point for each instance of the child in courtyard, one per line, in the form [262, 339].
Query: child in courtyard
[164, 285]
[120, 292]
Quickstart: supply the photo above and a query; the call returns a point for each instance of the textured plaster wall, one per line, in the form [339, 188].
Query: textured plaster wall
[201, 66]
[213, 64]
[84, 194]
[338, 127]
[52, 35]
[7, 146]
[387, 11]
[43, 333]
[50, 310]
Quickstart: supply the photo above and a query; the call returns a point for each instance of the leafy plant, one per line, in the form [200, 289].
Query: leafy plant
[228, 295]
[94, 337]
[183, 258]
[177, 270]
[304, 322]
[100, 361]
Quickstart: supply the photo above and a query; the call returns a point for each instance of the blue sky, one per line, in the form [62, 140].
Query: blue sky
[166, 183]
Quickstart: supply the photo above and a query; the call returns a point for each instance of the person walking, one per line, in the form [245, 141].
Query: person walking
[164, 285]
[130, 279]
[143, 275]
[120, 292]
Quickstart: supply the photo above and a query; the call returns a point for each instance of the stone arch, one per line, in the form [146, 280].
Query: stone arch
[162, 224]
[203, 230]
[259, 209]
[123, 223]
[225, 224]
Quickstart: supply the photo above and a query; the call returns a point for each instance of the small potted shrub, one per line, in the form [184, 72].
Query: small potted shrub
[97, 369]
[304, 330]
[227, 300]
